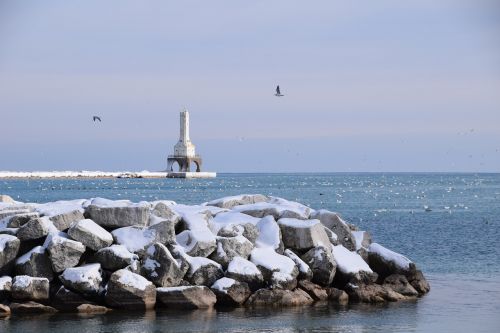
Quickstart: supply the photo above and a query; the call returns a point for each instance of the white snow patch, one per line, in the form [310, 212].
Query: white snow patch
[59, 207]
[269, 233]
[301, 265]
[266, 257]
[86, 274]
[349, 262]
[223, 284]
[231, 218]
[91, 227]
[4, 280]
[4, 239]
[133, 238]
[24, 281]
[242, 266]
[296, 223]
[133, 280]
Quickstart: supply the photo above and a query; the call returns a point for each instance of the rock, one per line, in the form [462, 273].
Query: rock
[230, 247]
[418, 281]
[279, 298]
[372, 293]
[165, 231]
[120, 216]
[163, 211]
[203, 271]
[31, 307]
[197, 243]
[246, 271]
[244, 199]
[277, 269]
[351, 268]
[160, 267]
[30, 288]
[64, 253]
[67, 300]
[7, 199]
[9, 231]
[276, 207]
[305, 272]
[362, 239]
[338, 296]
[84, 279]
[400, 284]
[230, 292]
[9, 247]
[35, 263]
[136, 239]
[190, 297]
[4, 310]
[91, 308]
[250, 232]
[332, 237]
[269, 234]
[316, 292]
[323, 265]
[386, 262]
[63, 221]
[90, 234]
[130, 291]
[35, 229]
[5, 287]
[19, 220]
[303, 235]
[336, 224]
[115, 257]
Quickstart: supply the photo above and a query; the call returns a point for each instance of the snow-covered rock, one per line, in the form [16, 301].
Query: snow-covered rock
[305, 272]
[188, 297]
[160, 267]
[28, 288]
[245, 271]
[230, 247]
[115, 257]
[303, 234]
[35, 263]
[136, 239]
[84, 279]
[90, 234]
[236, 200]
[386, 262]
[64, 253]
[351, 267]
[322, 263]
[9, 247]
[35, 228]
[116, 214]
[5, 287]
[230, 292]
[231, 218]
[277, 207]
[203, 271]
[280, 271]
[18, 220]
[165, 229]
[164, 212]
[197, 243]
[336, 224]
[130, 291]
[269, 234]
[6, 199]
[63, 221]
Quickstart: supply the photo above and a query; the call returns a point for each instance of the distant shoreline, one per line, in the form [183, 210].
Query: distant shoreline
[101, 174]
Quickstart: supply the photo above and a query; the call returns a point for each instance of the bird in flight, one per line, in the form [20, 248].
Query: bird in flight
[96, 118]
[278, 92]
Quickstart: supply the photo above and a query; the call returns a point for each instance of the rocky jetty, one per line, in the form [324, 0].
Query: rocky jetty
[247, 250]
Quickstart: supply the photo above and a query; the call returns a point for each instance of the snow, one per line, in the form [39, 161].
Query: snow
[3, 282]
[301, 265]
[184, 210]
[133, 280]
[86, 274]
[179, 288]
[106, 203]
[267, 258]
[4, 239]
[121, 251]
[133, 238]
[358, 238]
[269, 233]
[279, 206]
[91, 227]
[24, 281]
[242, 266]
[196, 263]
[53, 234]
[236, 200]
[296, 223]
[82, 173]
[60, 207]
[230, 218]
[151, 264]
[398, 259]
[27, 256]
[188, 239]
[223, 284]
[349, 262]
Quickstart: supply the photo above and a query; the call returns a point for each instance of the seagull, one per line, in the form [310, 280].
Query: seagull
[278, 92]
[96, 118]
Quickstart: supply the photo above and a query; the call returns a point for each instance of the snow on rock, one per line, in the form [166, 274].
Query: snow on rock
[64, 253]
[277, 207]
[335, 223]
[235, 200]
[269, 234]
[198, 242]
[223, 284]
[362, 239]
[130, 291]
[119, 213]
[349, 262]
[60, 207]
[85, 279]
[90, 234]
[270, 262]
[9, 248]
[230, 292]
[224, 219]
[386, 262]
[30, 288]
[135, 239]
[36, 228]
[303, 234]
[115, 257]
[160, 267]
[305, 272]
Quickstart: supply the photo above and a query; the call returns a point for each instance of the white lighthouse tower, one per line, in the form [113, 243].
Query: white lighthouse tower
[184, 147]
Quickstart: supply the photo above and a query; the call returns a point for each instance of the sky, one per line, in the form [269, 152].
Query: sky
[410, 86]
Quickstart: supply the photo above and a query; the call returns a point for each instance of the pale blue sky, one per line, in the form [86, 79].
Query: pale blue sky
[369, 85]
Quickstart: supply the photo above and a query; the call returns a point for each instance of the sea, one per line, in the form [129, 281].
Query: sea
[447, 223]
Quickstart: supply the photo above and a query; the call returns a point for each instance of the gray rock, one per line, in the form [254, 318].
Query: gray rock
[303, 235]
[230, 247]
[337, 296]
[334, 240]
[190, 297]
[136, 239]
[418, 281]
[317, 293]
[5, 287]
[322, 263]
[160, 267]
[246, 271]
[372, 293]
[35, 229]
[165, 213]
[386, 262]
[336, 224]
[90, 234]
[31, 308]
[230, 202]
[9, 231]
[203, 271]
[9, 247]
[362, 239]
[30, 288]
[279, 271]
[165, 231]
[230, 292]
[130, 291]
[67, 300]
[116, 217]
[91, 308]
[247, 230]
[35, 263]
[63, 221]
[4, 310]
[279, 298]
[305, 272]
[115, 257]
[399, 283]
[64, 253]
[84, 279]
[197, 243]
[19, 220]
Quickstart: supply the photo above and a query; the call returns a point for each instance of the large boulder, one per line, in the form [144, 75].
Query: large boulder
[64, 220]
[90, 234]
[322, 263]
[118, 214]
[67, 300]
[336, 224]
[18, 220]
[399, 283]
[303, 235]
[115, 257]
[190, 297]
[230, 247]
[269, 234]
[386, 262]
[9, 247]
[30, 288]
[279, 298]
[160, 267]
[31, 308]
[64, 253]
[130, 291]
[165, 230]
[197, 243]
[5, 287]
[351, 267]
[163, 212]
[203, 271]
[4, 310]
[136, 239]
[372, 293]
[317, 292]
[35, 263]
[305, 272]
[246, 271]
[280, 271]
[418, 281]
[35, 229]
[276, 207]
[243, 199]
[230, 292]
[337, 296]
[84, 279]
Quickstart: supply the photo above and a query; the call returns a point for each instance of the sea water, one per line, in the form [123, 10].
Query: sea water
[449, 224]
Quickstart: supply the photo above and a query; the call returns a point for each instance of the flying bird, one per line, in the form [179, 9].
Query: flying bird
[96, 118]
[278, 92]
